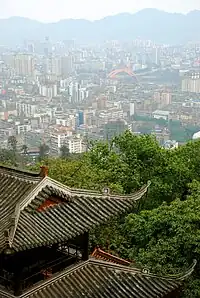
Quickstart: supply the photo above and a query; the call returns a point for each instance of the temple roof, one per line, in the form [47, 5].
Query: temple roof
[40, 211]
[14, 186]
[100, 279]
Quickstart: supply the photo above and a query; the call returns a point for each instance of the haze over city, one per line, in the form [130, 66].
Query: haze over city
[99, 149]
[88, 9]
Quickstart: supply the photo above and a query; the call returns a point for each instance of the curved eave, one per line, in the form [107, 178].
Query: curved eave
[67, 220]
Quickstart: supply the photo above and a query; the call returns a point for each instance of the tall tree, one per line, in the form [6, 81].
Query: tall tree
[129, 160]
[64, 151]
[166, 239]
[44, 150]
[12, 143]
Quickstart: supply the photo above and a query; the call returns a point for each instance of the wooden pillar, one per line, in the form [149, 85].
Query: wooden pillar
[85, 246]
[1, 264]
[17, 285]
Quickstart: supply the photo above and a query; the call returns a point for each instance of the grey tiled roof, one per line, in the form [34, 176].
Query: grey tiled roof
[92, 279]
[99, 279]
[74, 216]
[75, 212]
[14, 185]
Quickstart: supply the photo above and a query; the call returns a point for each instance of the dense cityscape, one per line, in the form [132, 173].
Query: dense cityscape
[65, 94]
[99, 157]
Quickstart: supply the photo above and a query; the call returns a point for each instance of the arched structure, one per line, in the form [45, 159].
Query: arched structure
[127, 70]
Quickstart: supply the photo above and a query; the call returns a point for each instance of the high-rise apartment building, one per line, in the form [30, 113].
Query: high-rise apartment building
[132, 109]
[66, 65]
[162, 98]
[30, 47]
[47, 46]
[74, 143]
[56, 66]
[23, 64]
[26, 109]
[49, 90]
[191, 83]
[52, 65]
[156, 55]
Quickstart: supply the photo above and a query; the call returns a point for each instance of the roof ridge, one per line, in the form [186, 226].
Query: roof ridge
[47, 181]
[73, 268]
[184, 275]
[122, 203]
[175, 277]
[83, 191]
[94, 262]
[15, 170]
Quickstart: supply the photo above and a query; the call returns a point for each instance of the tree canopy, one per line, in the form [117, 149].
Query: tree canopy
[163, 232]
[12, 142]
[64, 151]
[44, 149]
[166, 239]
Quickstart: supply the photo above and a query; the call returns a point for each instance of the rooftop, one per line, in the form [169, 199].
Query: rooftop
[161, 112]
[37, 210]
[94, 278]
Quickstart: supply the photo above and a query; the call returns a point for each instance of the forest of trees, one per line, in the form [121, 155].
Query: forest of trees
[162, 233]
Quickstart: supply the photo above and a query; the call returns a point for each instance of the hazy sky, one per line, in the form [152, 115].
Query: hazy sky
[54, 10]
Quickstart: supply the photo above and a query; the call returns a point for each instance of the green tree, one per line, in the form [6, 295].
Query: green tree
[7, 157]
[129, 161]
[44, 149]
[64, 151]
[164, 233]
[166, 239]
[12, 143]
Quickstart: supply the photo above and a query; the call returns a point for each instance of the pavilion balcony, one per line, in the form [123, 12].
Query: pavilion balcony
[24, 270]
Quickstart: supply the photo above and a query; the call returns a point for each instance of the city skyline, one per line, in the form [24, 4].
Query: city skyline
[90, 10]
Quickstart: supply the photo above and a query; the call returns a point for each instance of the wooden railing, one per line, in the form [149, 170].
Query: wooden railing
[44, 271]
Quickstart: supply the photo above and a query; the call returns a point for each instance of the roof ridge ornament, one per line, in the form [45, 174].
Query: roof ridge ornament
[44, 170]
[145, 271]
[106, 191]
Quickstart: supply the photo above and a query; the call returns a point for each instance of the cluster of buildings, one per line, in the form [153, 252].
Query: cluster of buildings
[64, 94]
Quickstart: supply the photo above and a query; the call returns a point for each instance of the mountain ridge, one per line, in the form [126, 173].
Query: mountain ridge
[154, 24]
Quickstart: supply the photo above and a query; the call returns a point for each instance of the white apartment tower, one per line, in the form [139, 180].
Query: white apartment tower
[23, 64]
[66, 65]
[26, 109]
[191, 83]
[74, 143]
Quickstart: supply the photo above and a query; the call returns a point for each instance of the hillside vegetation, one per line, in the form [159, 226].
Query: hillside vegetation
[163, 231]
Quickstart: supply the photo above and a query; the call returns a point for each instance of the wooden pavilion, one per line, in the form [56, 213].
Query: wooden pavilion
[44, 236]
